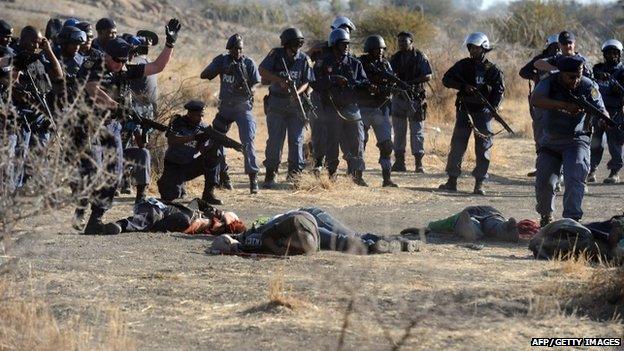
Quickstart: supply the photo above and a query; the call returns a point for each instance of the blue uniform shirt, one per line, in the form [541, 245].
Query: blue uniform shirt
[410, 65]
[232, 91]
[300, 69]
[611, 96]
[182, 154]
[70, 65]
[559, 125]
[348, 66]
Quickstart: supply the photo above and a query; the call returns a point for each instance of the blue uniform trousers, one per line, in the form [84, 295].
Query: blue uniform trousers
[171, 182]
[573, 156]
[459, 143]
[379, 120]
[346, 134]
[402, 118]
[244, 119]
[14, 171]
[615, 142]
[282, 119]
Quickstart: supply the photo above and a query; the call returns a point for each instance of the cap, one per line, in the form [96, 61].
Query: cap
[105, 23]
[194, 105]
[118, 48]
[5, 28]
[566, 37]
[570, 63]
[406, 34]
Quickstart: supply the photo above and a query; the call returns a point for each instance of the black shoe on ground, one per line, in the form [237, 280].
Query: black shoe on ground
[358, 179]
[387, 181]
[253, 183]
[419, 165]
[209, 197]
[225, 182]
[269, 180]
[478, 189]
[96, 227]
[545, 220]
[399, 163]
[450, 185]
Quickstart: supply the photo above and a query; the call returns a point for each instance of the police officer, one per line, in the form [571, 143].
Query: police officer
[338, 75]
[238, 75]
[70, 39]
[319, 126]
[567, 44]
[186, 140]
[412, 67]
[375, 102]
[566, 138]
[533, 75]
[85, 48]
[471, 75]
[284, 116]
[107, 87]
[609, 76]
[106, 30]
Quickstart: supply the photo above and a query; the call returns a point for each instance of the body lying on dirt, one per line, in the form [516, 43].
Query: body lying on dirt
[305, 231]
[480, 222]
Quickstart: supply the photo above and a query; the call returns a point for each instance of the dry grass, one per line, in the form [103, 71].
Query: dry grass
[278, 294]
[28, 323]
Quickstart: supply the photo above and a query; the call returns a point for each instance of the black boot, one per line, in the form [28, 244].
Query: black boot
[358, 179]
[225, 182]
[387, 182]
[419, 164]
[140, 193]
[269, 180]
[96, 227]
[545, 220]
[209, 197]
[253, 183]
[450, 185]
[399, 163]
[478, 188]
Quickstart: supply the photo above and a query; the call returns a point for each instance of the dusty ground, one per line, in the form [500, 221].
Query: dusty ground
[174, 296]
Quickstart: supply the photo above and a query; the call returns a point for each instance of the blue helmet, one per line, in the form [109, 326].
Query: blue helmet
[71, 35]
[71, 22]
[342, 21]
[338, 35]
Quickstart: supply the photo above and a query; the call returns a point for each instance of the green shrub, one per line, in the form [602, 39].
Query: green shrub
[389, 21]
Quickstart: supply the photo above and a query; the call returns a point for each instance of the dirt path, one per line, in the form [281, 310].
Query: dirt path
[173, 296]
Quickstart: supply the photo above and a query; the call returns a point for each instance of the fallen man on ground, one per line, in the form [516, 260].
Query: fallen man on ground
[305, 231]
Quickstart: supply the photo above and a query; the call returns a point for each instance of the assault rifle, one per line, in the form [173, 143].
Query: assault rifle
[292, 90]
[489, 106]
[243, 80]
[590, 109]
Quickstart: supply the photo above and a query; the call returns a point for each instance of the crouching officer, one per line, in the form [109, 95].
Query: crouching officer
[338, 75]
[566, 138]
[609, 76]
[107, 87]
[375, 102]
[281, 68]
[188, 157]
[412, 67]
[470, 76]
[239, 75]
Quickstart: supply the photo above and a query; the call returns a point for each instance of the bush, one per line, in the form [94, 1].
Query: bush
[315, 24]
[531, 21]
[389, 21]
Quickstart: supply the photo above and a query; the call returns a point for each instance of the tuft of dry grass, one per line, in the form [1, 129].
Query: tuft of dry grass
[28, 323]
[278, 296]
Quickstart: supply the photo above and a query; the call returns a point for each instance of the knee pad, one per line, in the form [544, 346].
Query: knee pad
[385, 148]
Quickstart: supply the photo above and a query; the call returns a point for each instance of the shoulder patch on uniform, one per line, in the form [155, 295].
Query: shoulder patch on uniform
[595, 94]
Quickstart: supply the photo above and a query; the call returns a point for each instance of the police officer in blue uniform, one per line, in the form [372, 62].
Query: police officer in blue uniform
[319, 126]
[284, 116]
[70, 39]
[188, 156]
[566, 139]
[238, 75]
[468, 76]
[533, 75]
[609, 76]
[107, 86]
[85, 48]
[411, 66]
[375, 102]
[6, 36]
[338, 74]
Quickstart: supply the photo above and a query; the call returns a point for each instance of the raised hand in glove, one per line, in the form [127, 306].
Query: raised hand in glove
[171, 31]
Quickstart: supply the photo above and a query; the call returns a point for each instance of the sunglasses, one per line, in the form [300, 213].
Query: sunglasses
[120, 59]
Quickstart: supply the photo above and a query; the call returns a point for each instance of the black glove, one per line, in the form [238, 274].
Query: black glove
[171, 30]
